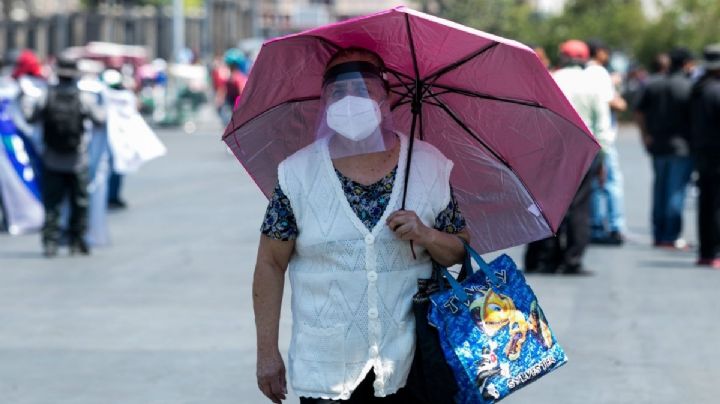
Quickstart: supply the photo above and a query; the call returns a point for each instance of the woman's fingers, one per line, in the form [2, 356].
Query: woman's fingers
[406, 231]
[400, 213]
[278, 389]
[283, 381]
[273, 387]
[271, 378]
[395, 224]
[405, 224]
[266, 389]
[399, 218]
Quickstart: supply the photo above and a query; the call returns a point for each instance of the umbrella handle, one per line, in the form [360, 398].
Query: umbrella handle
[416, 113]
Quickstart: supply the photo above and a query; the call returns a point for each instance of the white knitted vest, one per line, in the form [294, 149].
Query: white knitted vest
[352, 287]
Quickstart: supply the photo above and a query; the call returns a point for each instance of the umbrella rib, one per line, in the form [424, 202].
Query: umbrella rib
[412, 47]
[400, 93]
[400, 103]
[532, 104]
[472, 134]
[425, 101]
[407, 86]
[460, 62]
[404, 84]
[432, 103]
[290, 101]
[443, 92]
[407, 97]
[398, 73]
[470, 93]
[420, 122]
[467, 129]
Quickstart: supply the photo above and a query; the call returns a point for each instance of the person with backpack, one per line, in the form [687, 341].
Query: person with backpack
[63, 115]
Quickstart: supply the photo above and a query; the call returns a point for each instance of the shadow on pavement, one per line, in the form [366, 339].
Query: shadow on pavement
[14, 255]
[669, 264]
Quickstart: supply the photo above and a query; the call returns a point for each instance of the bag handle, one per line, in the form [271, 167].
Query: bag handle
[470, 255]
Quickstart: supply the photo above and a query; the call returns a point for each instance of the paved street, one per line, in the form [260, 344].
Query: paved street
[164, 315]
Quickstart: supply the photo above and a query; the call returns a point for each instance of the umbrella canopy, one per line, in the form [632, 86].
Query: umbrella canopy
[488, 103]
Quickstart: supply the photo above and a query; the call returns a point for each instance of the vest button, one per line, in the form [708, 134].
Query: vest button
[369, 239]
[373, 313]
[372, 276]
[374, 351]
[377, 385]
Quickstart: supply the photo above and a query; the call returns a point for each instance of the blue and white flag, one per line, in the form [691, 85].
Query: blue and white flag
[19, 183]
[98, 233]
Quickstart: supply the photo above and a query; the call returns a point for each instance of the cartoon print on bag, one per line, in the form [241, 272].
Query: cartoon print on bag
[487, 366]
[494, 311]
[539, 326]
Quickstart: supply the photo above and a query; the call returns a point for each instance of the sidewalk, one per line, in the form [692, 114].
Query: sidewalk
[164, 316]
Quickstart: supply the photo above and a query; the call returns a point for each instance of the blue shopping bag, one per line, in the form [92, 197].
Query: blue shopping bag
[493, 333]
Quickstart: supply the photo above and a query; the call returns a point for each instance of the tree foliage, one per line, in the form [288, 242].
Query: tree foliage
[622, 24]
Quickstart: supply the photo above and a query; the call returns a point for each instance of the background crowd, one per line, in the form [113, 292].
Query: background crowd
[675, 107]
[74, 125]
[183, 230]
[636, 72]
[672, 101]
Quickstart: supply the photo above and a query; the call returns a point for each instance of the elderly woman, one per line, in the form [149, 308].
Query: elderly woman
[335, 220]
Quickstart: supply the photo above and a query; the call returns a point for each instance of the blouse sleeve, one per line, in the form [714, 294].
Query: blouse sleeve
[450, 220]
[279, 222]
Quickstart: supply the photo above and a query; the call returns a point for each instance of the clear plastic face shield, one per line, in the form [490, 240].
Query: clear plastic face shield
[356, 116]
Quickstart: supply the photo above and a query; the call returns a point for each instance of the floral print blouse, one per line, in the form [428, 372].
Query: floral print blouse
[367, 201]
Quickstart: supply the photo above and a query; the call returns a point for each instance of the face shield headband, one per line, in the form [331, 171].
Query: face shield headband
[350, 70]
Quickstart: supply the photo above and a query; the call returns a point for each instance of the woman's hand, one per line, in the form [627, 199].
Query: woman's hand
[271, 376]
[407, 226]
[446, 249]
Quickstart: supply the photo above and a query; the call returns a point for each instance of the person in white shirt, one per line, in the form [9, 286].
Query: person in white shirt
[564, 253]
[607, 202]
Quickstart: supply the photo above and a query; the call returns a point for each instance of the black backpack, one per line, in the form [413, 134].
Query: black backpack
[63, 124]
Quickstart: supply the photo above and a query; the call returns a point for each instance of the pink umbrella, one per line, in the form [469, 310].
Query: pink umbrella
[488, 103]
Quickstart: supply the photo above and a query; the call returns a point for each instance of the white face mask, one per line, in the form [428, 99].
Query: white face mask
[353, 117]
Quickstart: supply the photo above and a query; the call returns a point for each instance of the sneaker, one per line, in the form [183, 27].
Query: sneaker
[677, 245]
[682, 245]
[709, 262]
[600, 240]
[50, 250]
[615, 238]
[79, 246]
[576, 270]
[117, 204]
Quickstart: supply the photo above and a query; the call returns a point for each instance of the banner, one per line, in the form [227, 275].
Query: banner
[131, 139]
[98, 233]
[19, 184]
